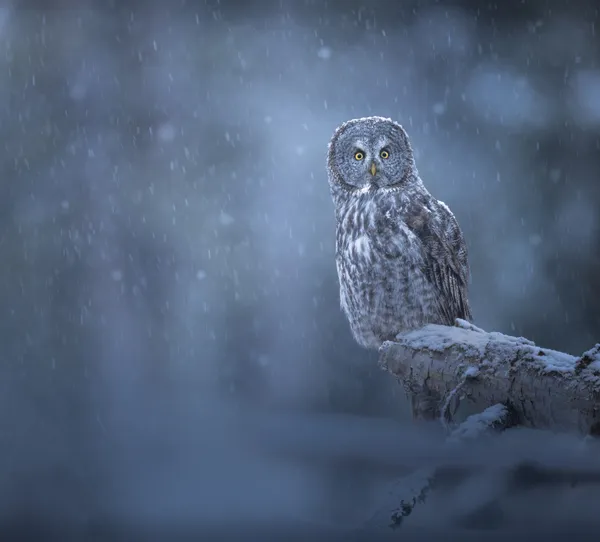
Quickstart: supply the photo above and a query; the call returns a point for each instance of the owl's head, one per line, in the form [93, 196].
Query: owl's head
[370, 153]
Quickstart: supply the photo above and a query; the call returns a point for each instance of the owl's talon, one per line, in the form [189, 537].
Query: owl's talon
[464, 324]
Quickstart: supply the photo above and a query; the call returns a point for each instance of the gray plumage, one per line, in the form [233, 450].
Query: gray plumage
[400, 254]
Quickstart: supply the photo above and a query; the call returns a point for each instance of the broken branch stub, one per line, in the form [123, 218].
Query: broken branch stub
[544, 388]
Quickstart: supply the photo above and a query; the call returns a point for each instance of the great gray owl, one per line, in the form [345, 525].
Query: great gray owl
[400, 254]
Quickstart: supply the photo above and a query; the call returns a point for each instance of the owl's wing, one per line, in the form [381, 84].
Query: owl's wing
[446, 259]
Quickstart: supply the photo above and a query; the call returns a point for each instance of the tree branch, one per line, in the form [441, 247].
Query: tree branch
[404, 495]
[545, 389]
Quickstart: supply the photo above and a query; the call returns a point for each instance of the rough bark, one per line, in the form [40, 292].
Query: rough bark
[441, 366]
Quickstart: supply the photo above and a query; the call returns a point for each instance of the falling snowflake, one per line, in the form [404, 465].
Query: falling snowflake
[324, 53]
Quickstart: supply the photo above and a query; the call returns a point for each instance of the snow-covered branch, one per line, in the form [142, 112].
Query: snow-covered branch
[443, 367]
[473, 381]
[404, 495]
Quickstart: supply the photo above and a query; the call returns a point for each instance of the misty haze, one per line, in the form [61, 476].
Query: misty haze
[174, 352]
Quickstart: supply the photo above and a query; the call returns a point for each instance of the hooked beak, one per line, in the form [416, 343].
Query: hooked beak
[373, 169]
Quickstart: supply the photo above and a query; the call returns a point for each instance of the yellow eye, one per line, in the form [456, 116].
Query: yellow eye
[384, 154]
[358, 155]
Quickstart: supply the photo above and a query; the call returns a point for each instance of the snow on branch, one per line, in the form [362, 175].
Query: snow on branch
[442, 367]
[406, 493]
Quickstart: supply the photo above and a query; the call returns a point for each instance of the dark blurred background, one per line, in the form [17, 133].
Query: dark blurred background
[170, 296]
